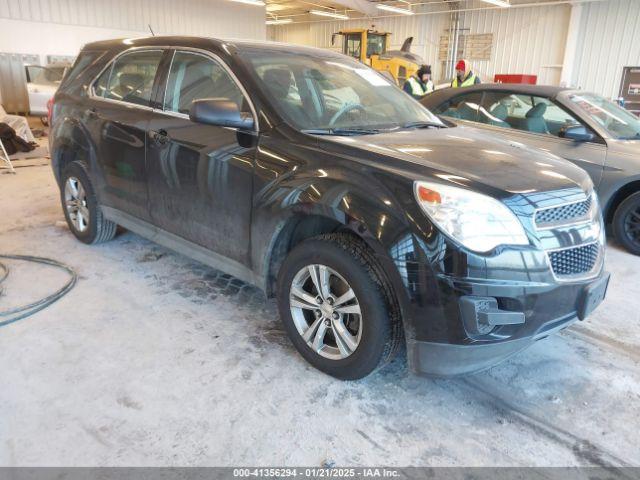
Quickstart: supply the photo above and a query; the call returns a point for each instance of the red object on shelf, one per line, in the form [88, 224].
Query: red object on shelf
[515, 78]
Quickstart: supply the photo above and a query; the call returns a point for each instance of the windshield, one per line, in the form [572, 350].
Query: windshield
[326, 94]
[375, 44]
[617, 121]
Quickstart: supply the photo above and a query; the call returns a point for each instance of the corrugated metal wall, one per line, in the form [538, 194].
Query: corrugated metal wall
[192, 17]
[526, 40]
[609, 40]
[425, 30]
[62, 27]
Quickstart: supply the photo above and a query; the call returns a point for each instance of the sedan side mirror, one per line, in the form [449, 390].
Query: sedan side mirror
[579, 133]
[220, 112]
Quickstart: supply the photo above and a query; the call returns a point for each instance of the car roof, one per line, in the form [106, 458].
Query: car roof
[205, 42]
[445, 94]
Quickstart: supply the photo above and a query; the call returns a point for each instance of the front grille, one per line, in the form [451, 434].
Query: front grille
[575, 260]
[563, 214]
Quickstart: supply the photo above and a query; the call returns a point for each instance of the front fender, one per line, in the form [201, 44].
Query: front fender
[290, 189]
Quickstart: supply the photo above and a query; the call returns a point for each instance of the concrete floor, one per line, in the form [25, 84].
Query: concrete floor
[153, 359]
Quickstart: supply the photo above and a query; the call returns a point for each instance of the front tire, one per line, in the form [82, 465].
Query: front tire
[626, 223]
[335, 307]
[81, 209]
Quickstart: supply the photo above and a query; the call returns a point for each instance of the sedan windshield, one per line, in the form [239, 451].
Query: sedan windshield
[333, 95]
[617, 121]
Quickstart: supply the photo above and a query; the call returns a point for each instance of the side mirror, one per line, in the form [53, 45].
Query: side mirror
[219, 112]
[579, 133]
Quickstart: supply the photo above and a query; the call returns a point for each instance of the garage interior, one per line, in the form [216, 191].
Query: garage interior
[153, 359]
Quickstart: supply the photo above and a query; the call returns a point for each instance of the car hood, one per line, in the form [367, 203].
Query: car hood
[470, 156]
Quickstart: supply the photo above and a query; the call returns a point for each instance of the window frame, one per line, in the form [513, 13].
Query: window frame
[164, 82]
[162, 77]
[109, 66]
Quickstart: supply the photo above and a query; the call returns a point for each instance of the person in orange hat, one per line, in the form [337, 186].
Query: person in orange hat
[464, 76]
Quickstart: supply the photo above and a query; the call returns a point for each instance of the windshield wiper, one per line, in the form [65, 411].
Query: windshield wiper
[423, 125]
[341, 131]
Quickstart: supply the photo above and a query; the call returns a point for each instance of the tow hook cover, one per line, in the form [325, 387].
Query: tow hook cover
[481, 314]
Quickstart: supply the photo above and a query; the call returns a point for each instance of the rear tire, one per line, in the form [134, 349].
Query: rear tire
[626, 223]
[81, 208]
[353, 344]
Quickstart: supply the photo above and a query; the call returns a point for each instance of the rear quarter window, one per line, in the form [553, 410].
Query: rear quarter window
[81, 67]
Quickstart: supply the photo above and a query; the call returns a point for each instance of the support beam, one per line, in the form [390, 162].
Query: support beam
[571, 46]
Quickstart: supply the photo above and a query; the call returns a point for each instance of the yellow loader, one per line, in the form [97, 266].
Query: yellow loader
[371, 48]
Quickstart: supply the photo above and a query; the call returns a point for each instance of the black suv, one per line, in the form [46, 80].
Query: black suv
[308, 174]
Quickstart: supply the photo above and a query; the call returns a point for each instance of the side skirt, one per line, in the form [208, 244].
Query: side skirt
[182, 246]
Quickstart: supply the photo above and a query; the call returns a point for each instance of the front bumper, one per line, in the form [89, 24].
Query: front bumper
[507, 320]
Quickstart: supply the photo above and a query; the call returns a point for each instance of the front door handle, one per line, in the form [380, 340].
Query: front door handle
[91, 112]
[160, 137]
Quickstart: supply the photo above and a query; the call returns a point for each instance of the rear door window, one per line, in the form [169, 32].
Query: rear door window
[131, 77]
[464, 107]
[497, 107]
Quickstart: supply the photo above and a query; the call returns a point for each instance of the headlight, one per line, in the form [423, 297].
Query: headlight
[477, 221]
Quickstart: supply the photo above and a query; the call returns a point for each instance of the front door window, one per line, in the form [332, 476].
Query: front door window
[193, 77]
[528, 113]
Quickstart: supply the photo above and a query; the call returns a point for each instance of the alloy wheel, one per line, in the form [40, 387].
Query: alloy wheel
[325, 311]
[75, 201]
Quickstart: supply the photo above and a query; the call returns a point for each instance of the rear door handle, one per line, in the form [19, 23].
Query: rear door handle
[91, 112]
[160, 137]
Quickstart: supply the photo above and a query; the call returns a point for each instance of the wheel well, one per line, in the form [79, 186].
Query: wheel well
[64, 156]
[75, 147]
[300, 229]
[295, 231]
[619, 197]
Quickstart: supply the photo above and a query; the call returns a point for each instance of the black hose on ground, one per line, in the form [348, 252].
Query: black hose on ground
[18, 313]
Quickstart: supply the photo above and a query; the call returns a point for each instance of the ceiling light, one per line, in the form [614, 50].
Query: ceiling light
[499, 3]
[279, 21]
[324, 13]
[257, 3]
[390, 8]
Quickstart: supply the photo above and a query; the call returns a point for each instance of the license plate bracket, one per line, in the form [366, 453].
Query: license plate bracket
[593, 296]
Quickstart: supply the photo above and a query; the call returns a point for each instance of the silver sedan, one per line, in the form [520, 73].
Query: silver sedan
[582, 127]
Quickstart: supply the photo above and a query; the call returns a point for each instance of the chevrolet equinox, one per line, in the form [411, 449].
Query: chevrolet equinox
[310, 175]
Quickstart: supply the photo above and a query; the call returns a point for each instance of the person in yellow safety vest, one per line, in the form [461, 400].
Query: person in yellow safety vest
[464, 76]
[420, 84]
